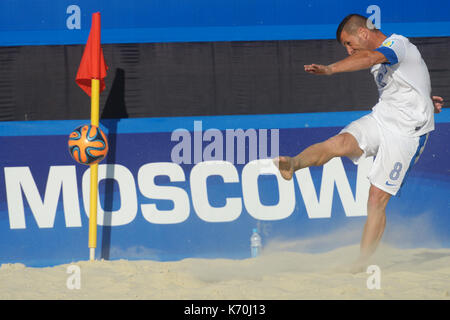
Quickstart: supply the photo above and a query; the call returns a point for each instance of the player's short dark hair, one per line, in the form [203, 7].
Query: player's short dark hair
[356, 20]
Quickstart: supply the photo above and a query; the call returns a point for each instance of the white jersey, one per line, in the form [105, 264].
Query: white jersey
[405, 104]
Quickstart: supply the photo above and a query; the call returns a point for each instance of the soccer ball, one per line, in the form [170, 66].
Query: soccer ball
[88, 144]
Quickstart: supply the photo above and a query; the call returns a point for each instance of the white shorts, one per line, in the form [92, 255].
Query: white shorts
[394, 154]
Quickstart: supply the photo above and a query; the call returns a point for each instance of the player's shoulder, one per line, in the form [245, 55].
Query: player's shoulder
[394, 40]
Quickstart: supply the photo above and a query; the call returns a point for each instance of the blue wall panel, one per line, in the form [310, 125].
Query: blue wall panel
[28, 22]
[50, 237]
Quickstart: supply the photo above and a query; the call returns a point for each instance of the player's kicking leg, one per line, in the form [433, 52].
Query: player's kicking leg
[343, 144]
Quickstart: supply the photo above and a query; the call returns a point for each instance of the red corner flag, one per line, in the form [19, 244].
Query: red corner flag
[92, 64]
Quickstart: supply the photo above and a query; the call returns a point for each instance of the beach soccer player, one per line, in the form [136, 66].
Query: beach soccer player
[395, 131]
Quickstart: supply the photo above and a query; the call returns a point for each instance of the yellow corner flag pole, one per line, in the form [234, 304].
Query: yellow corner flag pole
[93, 68]
[95, 102]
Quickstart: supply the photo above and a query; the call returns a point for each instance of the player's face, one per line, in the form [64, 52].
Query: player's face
[353, 42]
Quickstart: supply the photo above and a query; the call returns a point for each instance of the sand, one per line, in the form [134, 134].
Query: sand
[276, 274]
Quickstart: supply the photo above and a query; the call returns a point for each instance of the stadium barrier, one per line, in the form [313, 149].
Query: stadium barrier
[172, 188]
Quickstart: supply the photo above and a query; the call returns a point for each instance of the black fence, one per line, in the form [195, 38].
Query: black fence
[189, 79]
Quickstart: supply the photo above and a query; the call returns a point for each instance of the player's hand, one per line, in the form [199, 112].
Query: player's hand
[318, 69]
[438, 103]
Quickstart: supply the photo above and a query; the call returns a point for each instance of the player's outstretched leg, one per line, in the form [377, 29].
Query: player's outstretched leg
[318, 154]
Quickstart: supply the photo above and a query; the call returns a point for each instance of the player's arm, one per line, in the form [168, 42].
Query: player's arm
[360, 60]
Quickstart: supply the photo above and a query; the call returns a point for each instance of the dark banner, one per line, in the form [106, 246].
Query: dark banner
[191, 79]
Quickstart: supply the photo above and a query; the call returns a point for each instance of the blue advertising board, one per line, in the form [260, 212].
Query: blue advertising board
[173, 188]
[49, 22]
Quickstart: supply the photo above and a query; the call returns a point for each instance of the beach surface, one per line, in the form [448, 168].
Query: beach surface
[277, 274]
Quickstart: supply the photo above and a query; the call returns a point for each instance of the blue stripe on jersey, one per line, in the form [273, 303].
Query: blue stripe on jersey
[389, 54]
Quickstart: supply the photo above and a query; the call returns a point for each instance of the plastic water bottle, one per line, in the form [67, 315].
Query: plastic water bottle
[255, 243]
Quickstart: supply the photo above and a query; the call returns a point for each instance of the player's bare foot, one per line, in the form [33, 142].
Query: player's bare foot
[286, 166]
[358, 266]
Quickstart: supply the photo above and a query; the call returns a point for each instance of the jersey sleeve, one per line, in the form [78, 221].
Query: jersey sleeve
[393, 50]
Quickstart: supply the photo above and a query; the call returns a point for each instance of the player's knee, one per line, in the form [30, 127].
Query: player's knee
[378, 199]
[342, 144]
